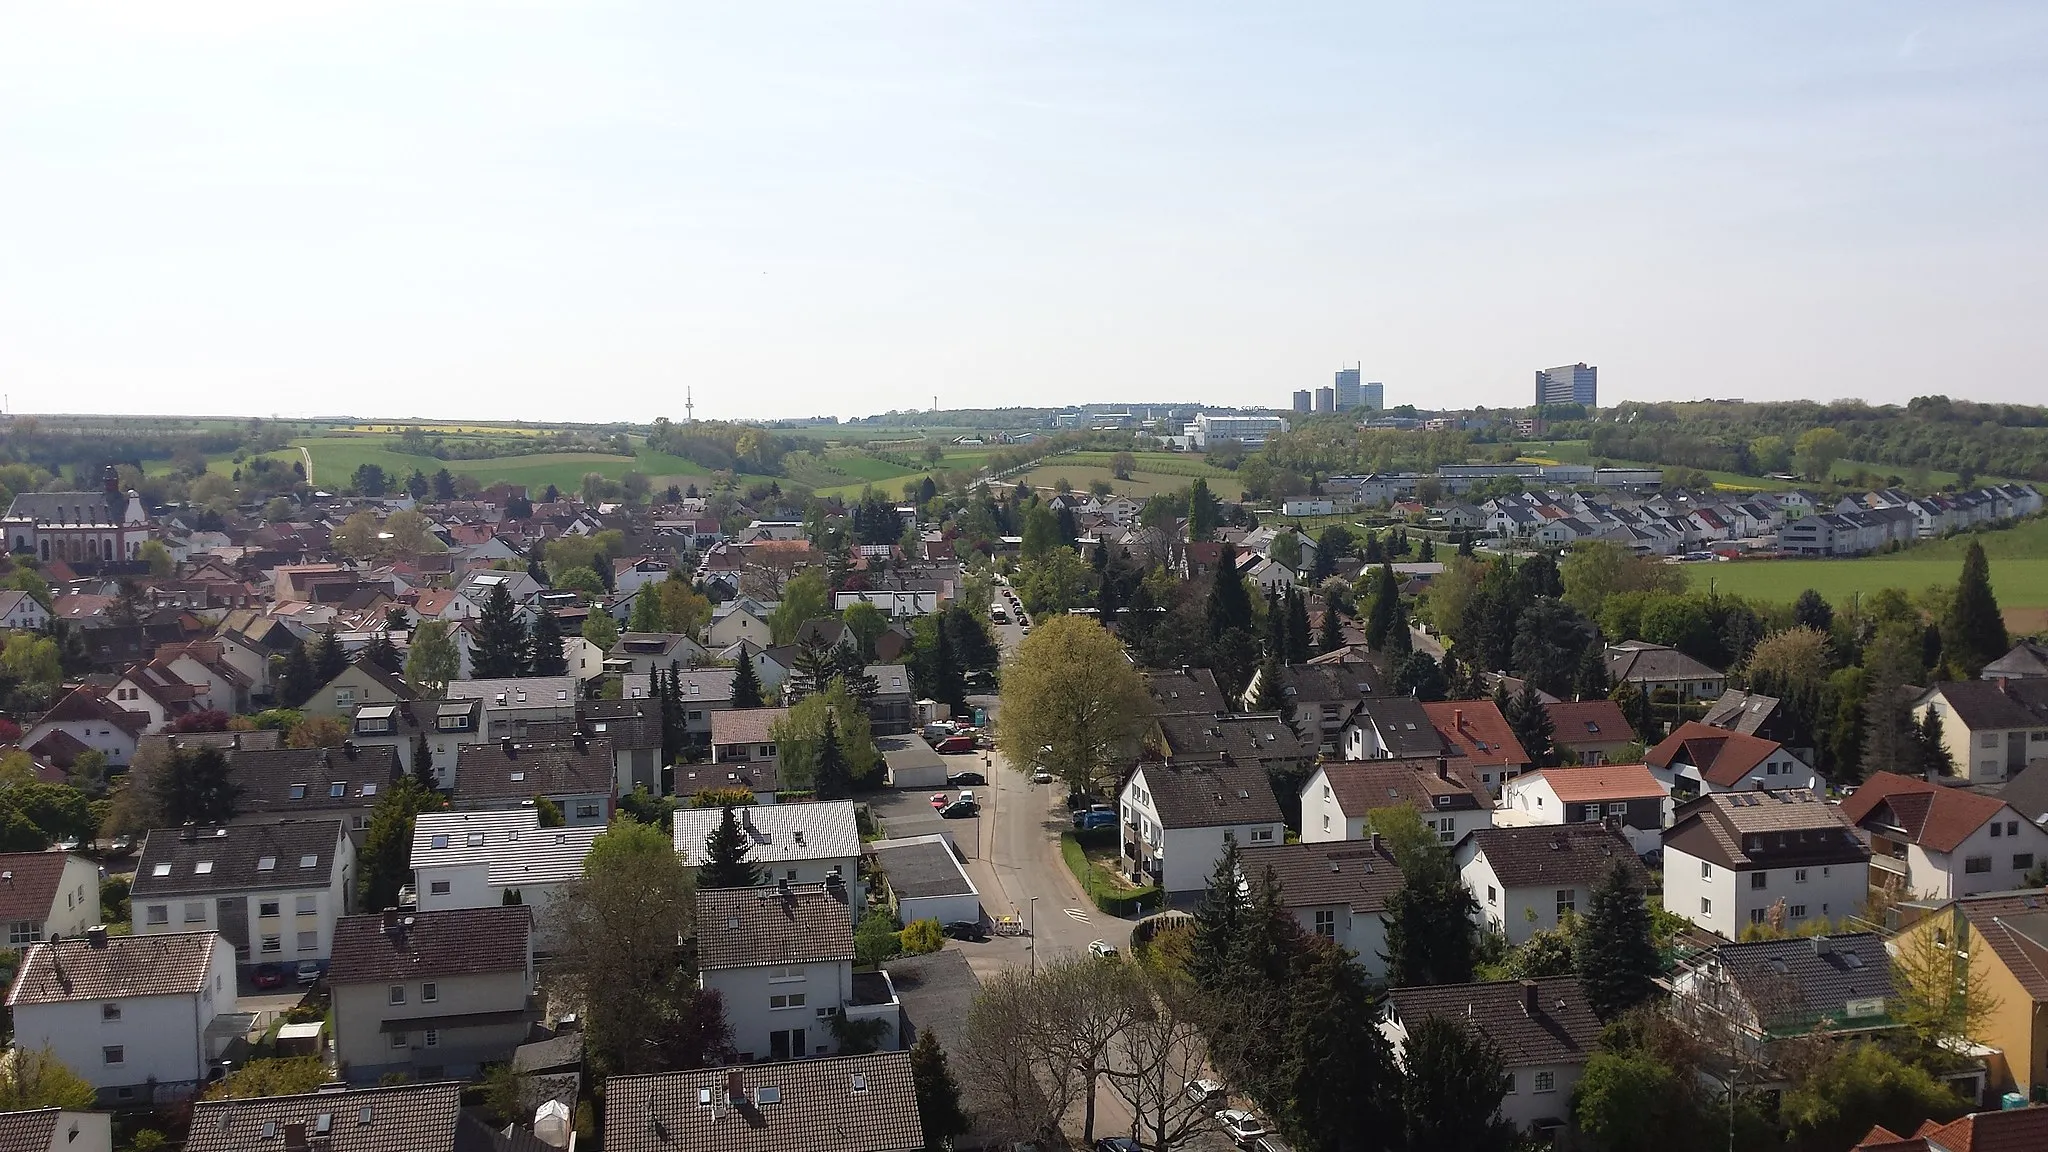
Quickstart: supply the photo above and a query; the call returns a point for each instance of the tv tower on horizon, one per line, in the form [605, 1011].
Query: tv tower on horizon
[689, 406]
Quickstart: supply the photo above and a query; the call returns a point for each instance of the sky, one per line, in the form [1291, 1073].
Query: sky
[578, 210]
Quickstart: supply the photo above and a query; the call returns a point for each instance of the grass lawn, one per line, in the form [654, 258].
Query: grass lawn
[1142, 483]
[335, 459]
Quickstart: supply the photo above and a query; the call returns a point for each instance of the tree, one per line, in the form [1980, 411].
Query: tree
[1790, 660]
[412, 533]
[1430, 933]
[35, 1078]
[356, 536]
[1041, 533]
[801, 739]
[1973, 634]
[369, 480]
[444, 484]
[725, 850]
[1632, 1102]
[380, 652]
[1053, 583]
[938, 1095]
[1532, 727]
[832, 779]
[291, 1076]
[1550, 642]
[1338, 1067]
[1616, 956]
[1818, 449]
[318, 732]
[1451, 1088]
[804, 598]
[296, 682]
[813, 670]
[1590, 681]
[1811, 610]
[866, 624]
[386, 859]
[1157, 1050]
[646, 615]
[547, 812]
[1330, 636]
[161, 562]
[1379, 612]
[1598, 569]
[684, 610]
[1940, 1005]
[193, 787]
[544, 645]
[500, 638]
[601, 629]
[432, 660]
[1421, 678]
[746, 684]
[1204, 513]
[1122, 465]
[622, 920]
[1072, 703]
[1860, 1086]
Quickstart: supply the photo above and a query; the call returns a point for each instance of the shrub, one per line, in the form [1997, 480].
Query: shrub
[921, 936]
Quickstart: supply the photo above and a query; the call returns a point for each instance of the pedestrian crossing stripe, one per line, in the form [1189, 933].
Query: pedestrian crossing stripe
[1077, 914]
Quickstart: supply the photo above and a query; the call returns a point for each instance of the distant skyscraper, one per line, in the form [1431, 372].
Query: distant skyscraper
[1301, 400]
[1347, 389]
[1375, 397]
[1571, 384]
[1326, 399]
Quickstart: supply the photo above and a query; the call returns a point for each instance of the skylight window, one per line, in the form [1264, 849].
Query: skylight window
[203, 868]
[440, 840]
[160, 870]
[518, 776]
[267, 864]
[308, 861]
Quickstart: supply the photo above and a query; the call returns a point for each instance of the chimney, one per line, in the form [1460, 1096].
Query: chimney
[1458, 719]
[1822, 945]
[505, 744]
[1528, 997]
[1443, 768]
[1375, 842]
[582, 741]
[390, 919]
[96, 937]
[111, 479]
[348, 747]
[735, 1086]
[295, 1138]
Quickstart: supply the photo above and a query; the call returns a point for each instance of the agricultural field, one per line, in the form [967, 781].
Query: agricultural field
[1574, 452]
[335, 459]
[1142, 483]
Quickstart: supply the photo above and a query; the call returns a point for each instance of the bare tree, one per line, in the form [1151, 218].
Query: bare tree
[1154, 1056]
[1040, 1043]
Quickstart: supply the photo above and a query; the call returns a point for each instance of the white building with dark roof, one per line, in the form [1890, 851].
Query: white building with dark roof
[781, 959]
[862, 1103]
[272, 891]
[484, 859]
[1175, 819]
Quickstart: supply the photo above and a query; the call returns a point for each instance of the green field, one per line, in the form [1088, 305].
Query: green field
[2017, 583]
[1574, 452]
[335, 459]
[1142, 483]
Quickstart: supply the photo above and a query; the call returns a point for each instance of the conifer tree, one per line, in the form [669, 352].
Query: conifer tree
[1974, 633]
[725, 856]
[1430, 934]
[1379, 616]
[329, 658]
[1298, 650]
[746, 684]
[500, 638]
[1590, 682]
[1269, 698]
[1533, 729]
[382, 653]
[423, 763]
[1615, 954]
[938, 1094]
[1229, 607]
[295, 682]
[544, 645]
[1400, 644]
[1331, 636]
[834, 780]
[1452, 1086]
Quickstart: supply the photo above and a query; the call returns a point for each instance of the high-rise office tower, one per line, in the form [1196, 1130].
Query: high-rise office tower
[1326, 399]
[1347, 389]
[1374, 397]
[1301, 400]
[1571, 384]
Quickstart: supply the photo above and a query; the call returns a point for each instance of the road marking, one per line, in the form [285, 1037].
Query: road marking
[1077, 914]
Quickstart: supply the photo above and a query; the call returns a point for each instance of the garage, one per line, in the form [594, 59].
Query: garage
[927, 880]
[912, 763]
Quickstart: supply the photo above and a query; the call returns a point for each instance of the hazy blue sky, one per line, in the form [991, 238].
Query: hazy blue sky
[575, 209]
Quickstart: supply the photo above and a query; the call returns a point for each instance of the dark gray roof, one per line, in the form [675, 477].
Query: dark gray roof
[528, 769]
[2027, 658]
[1775, 829]
[1575, 854]
[1404, 726]
[278, 781]
[230, 858]
[69, 507]
[400, 1118]
[841, 1104]
[1210, 795]
[1637, 660]
[750, 927]
[625, 732]
[2028, 791]
[1795, 982]
[1246, 738]
[1325, 683]
[1561, 1030]
[450, 942]
[937, 991]
[157, 964]
[1185, 690]
[1357, 874]
[922, 868]
[1740, 711]
[1982, 704]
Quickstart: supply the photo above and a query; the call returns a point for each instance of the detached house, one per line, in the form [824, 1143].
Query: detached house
[745, 736]
[431, 994]
[1526, 879]
[1476, 732]
[781, 959]
[362, 682]
[1593, 731]
[1992, 729]
[487, 859]
[1732, 859]
[44, 894]
[141, 1018]
[508, 705]
[1766, 991]
[1655, 668]
[1931, 842]
[2004, 938]
[1175, 819]
[276, 785]
[1544, 1030]
[865, 1103]
[1339, 797]
[576, 775]
[1625, 796]
[81, 720]
[272, 891]
[789, 843]
[1697, 758]
[1336, 890]
[413, 1117]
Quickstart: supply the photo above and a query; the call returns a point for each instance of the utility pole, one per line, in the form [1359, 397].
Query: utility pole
[1034, 935]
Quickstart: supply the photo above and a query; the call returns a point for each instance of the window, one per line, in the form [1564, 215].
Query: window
[273, 945]
[28, 931]
[1759, 879]
[1997, 829]
[438, 887]
[309, 861]
[298, 791]
[159, 914]
[114, 1055]
[397, 1041]
[344, 697]
[1799, 875]
[267, 864]
[306, 905]
[1706, 870]
[586, 811]
[308, 941]
[2012, 827]
[433, 1038]
[110, 1011]
[266, 908]
[1796, 911]
[1326, 821]
[1326, 923]
[1976, 864]
[1756, 915]
[1492, 897]
[1259, 834]
[1617, 809]
[397, 995]
[337, 790]
[1592, 812]
[1706, 906]
[429, 992]
[1567, 901]
[1512, 1081]
[1546, 1082]
[782, 1000]
[195, 912]
[787, 974]
[2022, 861]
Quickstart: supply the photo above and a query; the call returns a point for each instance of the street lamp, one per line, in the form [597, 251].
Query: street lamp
[1034, 935]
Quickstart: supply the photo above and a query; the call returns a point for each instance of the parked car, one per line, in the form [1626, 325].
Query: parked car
[940, 800]
[1203, 1091]
[309, 972]
[1117, 1144]
[1241, 1126]
[1102, 949]
[1041, 776]
[954, 744]
[267, 976]
[959, 778]
[962, 930]
[967, 796]
[960, 810]
[1090, 820]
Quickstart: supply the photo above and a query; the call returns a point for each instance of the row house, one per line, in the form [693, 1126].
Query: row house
[1848, 533]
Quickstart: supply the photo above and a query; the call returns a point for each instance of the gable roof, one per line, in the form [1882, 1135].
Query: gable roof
[290, 780]
[2002, 703]
[2028, 791]
[1186, 689]
[1723, 757]
[1739, 711]
[2011, 1130]
[1475, 730]
[228, 858]
[2026, 658]
[1244, 738]
[1930, 815]
[1561, 1028]
[1210, 795]
[775, 833]
[1535, 855]
[521, 770]
[1430, 784]
[788, 924]
[158, 964]
[1773, 829]
[1575, 722]
[29, 883]
[397, 1118]
[862, 1103]
[1796, 982]
[1601, 782]
[86, 704]
[2015, 926]
[745, 725]
[1357, 874]
[1403, 726]
[449, 942]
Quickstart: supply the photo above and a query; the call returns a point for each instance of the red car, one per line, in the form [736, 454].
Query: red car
[956, 744]
[268, 976]
[940, 800]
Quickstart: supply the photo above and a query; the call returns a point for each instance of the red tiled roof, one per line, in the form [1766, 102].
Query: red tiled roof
[31, 885]
[1602, 782]
[1475, 730]
[1933, 816]
[1588, 722]
[1723, 757]
[2016, 1130]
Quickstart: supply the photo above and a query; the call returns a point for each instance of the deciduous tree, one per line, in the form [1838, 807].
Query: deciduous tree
[432, 659]
[1070, 689]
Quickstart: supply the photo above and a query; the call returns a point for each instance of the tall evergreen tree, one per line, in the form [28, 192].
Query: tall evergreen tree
[329, 658]
[1974, 633]
[1452, 1086]
[746, 684]
[1229, 606]
[1430, 935]
[1935, 761]
[1330, 636]
[1276, 628]
[675, 731]
[295, 681]
[500, 638]
[423, 763]
[1591, 681]
[382, 653]
[1614, 952]
[725, 856]
[1533, 729]
[938, 1094]
[1400, 642]
[193, 787]
[814, 668]
[1269, 698]
[1219, 922]
[1298, 650]
[1812, 610]
[1379, 614]
[1338, 1069]
[544, 645]
[834, 780]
